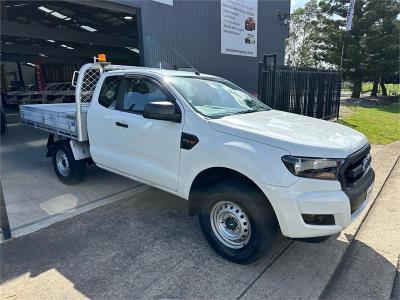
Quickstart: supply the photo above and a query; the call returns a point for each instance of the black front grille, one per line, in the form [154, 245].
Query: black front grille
[353, 168]
[356, 176]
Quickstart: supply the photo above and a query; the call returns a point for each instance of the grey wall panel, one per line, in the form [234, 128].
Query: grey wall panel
[193, 29]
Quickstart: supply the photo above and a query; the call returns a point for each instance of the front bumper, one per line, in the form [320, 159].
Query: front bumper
[317, 197]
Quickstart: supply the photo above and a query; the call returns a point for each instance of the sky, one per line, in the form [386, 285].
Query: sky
[296, 4]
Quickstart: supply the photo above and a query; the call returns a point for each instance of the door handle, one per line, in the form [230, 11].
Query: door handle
[121, 124]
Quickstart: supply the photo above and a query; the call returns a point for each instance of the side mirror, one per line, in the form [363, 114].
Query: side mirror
[161, 110]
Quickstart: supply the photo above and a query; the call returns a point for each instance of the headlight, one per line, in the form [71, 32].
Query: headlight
[318, 168]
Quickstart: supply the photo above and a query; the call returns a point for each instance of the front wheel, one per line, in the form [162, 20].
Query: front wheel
[237, 221]
[67, 169]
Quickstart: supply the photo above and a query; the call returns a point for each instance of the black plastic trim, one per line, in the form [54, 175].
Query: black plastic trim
[188, 141]
[352, 159]
[318, 219]
[313, 240]
[121, 124]
[356, 191]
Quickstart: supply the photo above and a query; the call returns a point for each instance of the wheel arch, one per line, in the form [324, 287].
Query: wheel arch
[53, 141]
[212, 175]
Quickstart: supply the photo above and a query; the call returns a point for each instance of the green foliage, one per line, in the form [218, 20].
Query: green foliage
[381, 125]
[301, 46]
[371, 47]
[382, 42]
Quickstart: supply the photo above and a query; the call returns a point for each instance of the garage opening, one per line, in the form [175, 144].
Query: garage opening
[47, 40]
[42, 44]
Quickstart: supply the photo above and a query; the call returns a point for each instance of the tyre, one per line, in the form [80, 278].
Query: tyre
[237, 221]
[67, 169]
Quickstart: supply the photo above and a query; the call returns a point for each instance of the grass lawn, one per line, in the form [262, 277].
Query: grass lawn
[367, 88]
[390, 87]
[381, 125]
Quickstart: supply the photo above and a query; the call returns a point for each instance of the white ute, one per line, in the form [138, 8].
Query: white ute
[246, 169]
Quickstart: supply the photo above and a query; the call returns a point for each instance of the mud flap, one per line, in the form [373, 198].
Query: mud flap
[81, 150]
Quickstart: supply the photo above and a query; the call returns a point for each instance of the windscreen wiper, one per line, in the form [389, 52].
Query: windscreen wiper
[246, 111]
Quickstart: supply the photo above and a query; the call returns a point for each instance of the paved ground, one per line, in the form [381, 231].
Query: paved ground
[31, 189]
[140, 247]
[396, 284]
[370, 264]
[147, 246]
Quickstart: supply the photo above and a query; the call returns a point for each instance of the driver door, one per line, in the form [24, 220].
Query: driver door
[147, 149]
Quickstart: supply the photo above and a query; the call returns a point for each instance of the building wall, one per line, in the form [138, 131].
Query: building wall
[193, 29]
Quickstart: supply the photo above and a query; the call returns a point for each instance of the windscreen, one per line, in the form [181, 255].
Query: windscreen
[213, 97]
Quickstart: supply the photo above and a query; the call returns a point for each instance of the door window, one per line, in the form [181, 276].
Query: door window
[141, 91]
[109, 91]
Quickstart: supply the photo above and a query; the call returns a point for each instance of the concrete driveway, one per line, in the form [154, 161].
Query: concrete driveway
[147, 246]
[31, 189]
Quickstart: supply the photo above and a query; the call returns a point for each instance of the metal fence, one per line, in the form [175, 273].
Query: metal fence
[306, 91]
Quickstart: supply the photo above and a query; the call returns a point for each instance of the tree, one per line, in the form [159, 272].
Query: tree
[335, 40]
[301, 45]
[382, 43]
[370, 47]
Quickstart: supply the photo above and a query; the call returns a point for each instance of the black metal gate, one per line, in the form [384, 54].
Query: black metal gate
[306, 91]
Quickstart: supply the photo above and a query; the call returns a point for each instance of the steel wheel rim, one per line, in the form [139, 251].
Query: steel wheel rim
[62, 163]
[230, 224]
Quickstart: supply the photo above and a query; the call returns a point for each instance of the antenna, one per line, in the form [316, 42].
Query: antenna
[196, 70]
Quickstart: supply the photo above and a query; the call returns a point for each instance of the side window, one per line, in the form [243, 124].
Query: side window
[141, 91]
[109, 91]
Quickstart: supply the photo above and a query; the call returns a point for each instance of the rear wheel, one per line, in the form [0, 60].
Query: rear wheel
[67, 169]
[237, 221]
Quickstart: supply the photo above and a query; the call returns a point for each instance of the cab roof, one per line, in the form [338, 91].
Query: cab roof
[160, 72]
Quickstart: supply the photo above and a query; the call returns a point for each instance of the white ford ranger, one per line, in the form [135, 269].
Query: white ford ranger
[245, 169]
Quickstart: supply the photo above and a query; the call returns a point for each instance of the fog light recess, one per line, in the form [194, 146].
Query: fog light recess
[318, 219]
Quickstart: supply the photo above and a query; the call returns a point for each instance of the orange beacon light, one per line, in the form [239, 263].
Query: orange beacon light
[101, 57]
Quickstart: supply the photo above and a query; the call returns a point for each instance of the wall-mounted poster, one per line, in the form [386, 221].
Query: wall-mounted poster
[239, 27]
